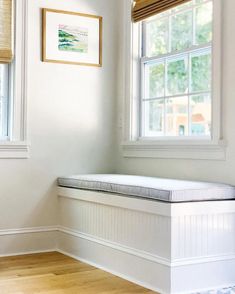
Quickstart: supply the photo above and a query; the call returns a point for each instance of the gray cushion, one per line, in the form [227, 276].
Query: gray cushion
[169, 190]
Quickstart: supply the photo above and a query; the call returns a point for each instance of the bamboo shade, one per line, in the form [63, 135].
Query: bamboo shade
[6, 51]
[143, 9]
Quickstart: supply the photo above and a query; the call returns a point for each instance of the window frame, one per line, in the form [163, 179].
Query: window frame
[16, 144]
[167, 147]
[5, 115]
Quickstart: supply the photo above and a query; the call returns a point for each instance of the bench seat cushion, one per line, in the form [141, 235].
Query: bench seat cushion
[169, 190]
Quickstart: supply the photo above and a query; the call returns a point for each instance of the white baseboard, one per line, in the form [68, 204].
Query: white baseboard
[145, 272]
[28, 230]
[127, 278]
[130, 264]
[114, 261]
[140, 283]
[28, 240]
[28, 252]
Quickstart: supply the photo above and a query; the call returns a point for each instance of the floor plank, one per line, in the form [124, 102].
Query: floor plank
[55, 273]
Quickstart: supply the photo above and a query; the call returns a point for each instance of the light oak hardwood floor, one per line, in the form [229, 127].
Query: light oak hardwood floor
[55, 273]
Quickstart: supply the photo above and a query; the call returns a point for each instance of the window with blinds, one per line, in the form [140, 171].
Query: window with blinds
[176, 68]
[6, 58]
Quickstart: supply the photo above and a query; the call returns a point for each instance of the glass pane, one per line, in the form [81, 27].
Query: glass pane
[200, 111]
[182, 6]
[204, 23]
[159, 15]
[155, 80]
[157, 37]
[154, 117]
[199, 1]
[177, 116]
[181, 31]
[177, 76]
[201, 72]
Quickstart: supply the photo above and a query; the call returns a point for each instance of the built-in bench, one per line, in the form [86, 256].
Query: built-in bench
[169, 235]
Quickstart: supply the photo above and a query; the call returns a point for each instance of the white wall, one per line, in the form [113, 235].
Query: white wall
[70, 122]
[223, 171]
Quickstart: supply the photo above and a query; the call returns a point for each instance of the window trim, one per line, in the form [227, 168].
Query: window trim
[16, 146]
[5, 92]
[166, 147]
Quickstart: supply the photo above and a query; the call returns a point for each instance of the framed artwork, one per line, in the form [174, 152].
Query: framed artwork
[72, 38]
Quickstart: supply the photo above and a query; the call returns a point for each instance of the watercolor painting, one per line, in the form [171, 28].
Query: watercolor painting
[72, 38]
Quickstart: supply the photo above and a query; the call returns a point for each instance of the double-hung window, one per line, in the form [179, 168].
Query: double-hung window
[173, 79]
[176, 72]
[13, 83]
[6, 58]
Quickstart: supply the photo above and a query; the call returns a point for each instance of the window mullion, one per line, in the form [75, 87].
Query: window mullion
[165, 93]
[189, 91]
[178, 53]
[165, 74]
[178, 95]
[169, 33]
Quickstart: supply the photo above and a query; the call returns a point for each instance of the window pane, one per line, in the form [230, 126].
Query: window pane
[182, 6]
[204, 23]
[200, 110]
[201, 72]
[181, 31]
[157, 37]
[177, 116]
[154, 117]
[199, 1]
[177, 76]
[155, 80]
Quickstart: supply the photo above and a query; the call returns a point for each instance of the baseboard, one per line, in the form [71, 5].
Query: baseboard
[127, 278]
[122, 264]
[29, 252]
[127, 263]
[133, 267]
[22, 241]
[28, 230]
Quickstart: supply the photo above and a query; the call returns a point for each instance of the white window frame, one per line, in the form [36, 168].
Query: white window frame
[166, 147]
[5, 96]
[16, 145]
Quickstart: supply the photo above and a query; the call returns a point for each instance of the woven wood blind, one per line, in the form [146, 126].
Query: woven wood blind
[143, 9]
[6, 51]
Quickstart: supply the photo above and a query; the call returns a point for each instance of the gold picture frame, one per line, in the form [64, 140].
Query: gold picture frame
[66, 37]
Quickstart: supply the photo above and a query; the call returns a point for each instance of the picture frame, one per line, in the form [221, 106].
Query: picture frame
[71, 37]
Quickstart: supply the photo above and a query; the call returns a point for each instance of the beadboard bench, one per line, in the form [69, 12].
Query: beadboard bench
[169, 247]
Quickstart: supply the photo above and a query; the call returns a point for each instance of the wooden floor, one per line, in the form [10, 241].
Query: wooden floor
[54, 273]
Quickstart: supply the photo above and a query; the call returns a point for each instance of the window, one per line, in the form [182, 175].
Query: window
[176, 72]
[172, 77]
[6, 57]
[13, 79]
[4, 100]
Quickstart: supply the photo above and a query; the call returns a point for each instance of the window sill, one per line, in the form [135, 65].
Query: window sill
[205, 150]
[14, 150]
